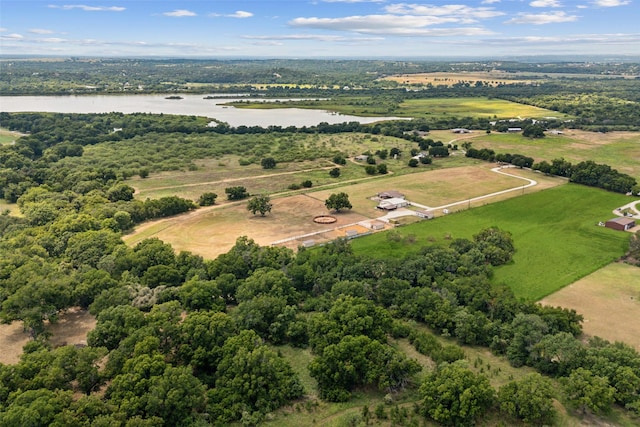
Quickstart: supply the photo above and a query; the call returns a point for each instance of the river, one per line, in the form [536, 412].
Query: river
[190, 105]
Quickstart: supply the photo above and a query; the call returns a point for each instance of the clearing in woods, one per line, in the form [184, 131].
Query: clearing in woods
[212, 231]
[609, 300]
[71, 329]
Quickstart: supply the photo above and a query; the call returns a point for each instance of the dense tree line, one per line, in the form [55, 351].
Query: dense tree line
[587, 172]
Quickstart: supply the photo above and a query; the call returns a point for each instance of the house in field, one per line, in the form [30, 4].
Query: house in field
[391, 194]
[425, 214]
[460, 130]
[361, 158]
[392, 204]
[620, 223]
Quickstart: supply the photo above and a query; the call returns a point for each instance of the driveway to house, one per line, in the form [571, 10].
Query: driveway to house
[407, 212]
[631, 206]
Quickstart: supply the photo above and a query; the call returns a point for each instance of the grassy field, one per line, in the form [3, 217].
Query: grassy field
[620, 150]
[430, 108]
[8, 137]
[555, 234]
[472, 107]
[607, 299]
[448, 79]
[212, 231]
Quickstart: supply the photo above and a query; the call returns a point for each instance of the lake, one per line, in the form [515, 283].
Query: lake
[190, 105]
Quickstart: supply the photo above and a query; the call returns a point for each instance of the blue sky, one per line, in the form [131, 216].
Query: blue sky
[320, 28]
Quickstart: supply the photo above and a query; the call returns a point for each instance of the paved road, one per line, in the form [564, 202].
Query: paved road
[631, 206]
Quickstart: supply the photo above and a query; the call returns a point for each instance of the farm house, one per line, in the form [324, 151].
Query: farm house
[393, 203]
[621, 223]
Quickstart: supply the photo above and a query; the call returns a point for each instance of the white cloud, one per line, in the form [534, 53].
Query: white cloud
[3, 30]
[457, 10]
[13, 36]
[54, 40]
[179, 13]
[587, 39]
[316, 37]
[40, 31]
[88, 8]
[238, 14]
[542, 18]
[545, 3]
[489, 1]
[611, 3]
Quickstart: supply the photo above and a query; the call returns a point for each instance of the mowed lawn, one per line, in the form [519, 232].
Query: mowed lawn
[620, 150]
[472, 107]
[609, 300]
[555, 233]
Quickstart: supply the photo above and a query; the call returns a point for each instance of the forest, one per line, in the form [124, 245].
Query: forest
[182, 340]
[265, 335]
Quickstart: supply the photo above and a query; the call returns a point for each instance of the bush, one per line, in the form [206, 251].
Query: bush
[334, 173]
[207, 199]
[307, 183]
[370, 170]
[413, 163]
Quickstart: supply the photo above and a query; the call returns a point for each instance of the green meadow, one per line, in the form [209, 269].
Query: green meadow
[429, 108]
[620, 150]
[555, 233]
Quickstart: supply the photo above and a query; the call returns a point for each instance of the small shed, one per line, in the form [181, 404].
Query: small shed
[620, 223]
[391, 194]
[425, 214]
[393, 203]
[362, 158]
[514, 130]
[460, 130]
[351, 233]
[377, 225]
[308, 243]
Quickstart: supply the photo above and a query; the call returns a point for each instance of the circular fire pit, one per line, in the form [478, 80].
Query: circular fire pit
[324, 219]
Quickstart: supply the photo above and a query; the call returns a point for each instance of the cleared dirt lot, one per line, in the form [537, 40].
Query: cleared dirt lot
[609, 300]
[71, 329]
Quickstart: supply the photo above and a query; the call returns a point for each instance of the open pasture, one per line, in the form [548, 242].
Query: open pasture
[609, 300]
[8, 137]
[471, 107]
[620, 150]
[555, 234]
[449, 79]
[213, 230]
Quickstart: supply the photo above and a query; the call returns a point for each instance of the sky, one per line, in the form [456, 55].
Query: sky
[320, 28]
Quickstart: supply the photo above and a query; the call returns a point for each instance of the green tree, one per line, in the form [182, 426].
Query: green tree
[587, 391]
[370, 170]
[207, 199]
[338, 201]
[529, 399]
[236, 193]
[453, 395]
[120, 192]
[382, 169]
[334, 173]
[533, 131]
[268, 163]
[261, 204]
[413, 163]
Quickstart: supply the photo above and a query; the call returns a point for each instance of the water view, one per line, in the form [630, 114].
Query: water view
[191, 105]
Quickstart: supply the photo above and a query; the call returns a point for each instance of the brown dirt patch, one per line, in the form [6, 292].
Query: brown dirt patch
[609, 300]
[211, 232]
[448, 79]
[71, 329]
[597, 138]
